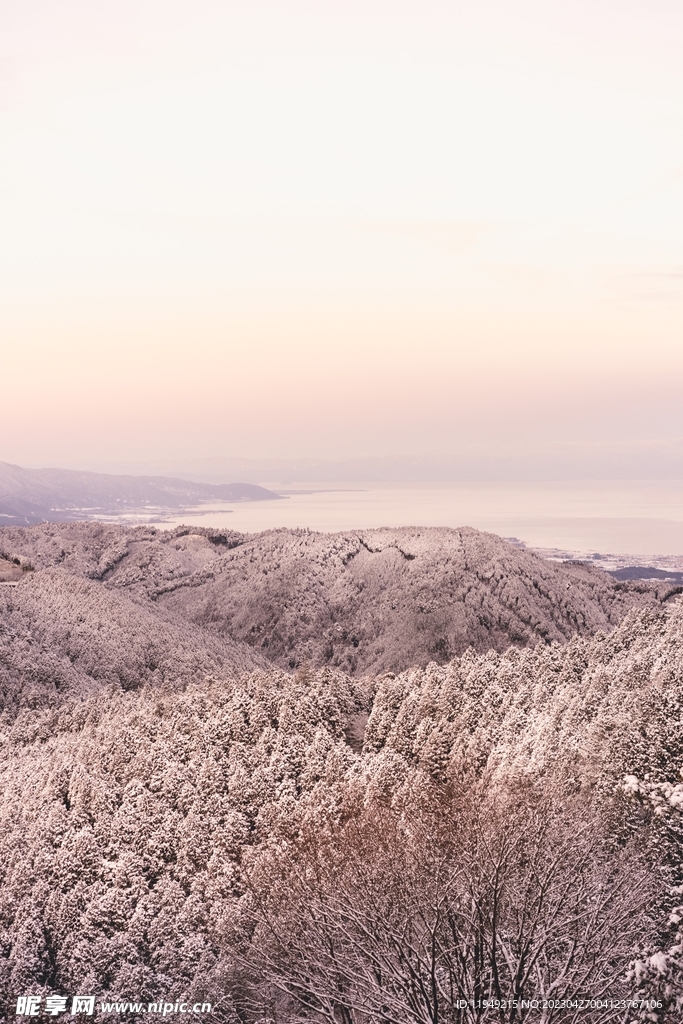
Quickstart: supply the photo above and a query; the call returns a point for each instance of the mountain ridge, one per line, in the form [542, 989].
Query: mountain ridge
[29, 496]
[365, 602]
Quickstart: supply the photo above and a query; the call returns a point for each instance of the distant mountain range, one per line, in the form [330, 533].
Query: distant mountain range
[30, 496]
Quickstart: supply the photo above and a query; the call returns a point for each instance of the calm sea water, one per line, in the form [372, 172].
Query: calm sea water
[635, 518]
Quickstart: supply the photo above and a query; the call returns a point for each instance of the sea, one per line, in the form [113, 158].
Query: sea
[610, 520]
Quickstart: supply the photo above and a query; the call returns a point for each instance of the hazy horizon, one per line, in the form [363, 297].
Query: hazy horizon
[552, 462]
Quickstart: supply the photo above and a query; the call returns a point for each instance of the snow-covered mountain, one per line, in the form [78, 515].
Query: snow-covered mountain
[183, 817]
[367, 601]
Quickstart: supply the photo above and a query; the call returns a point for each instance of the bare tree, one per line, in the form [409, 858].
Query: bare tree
[445, 909]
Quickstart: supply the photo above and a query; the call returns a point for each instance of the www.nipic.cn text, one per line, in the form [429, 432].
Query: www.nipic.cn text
[52, 1006]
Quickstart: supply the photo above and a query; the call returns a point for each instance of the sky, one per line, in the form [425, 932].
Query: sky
[336, 230]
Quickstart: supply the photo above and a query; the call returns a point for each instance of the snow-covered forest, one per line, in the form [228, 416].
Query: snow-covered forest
[366, 602]
[393, 829]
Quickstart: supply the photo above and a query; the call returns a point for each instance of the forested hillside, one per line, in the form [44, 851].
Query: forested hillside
[368, 835]
[61, 635]
[154, 841]
[371, 601]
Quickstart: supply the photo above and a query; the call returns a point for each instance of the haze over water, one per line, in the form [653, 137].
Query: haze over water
[619, 518]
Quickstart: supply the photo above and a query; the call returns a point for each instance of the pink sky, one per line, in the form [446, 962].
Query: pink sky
[301, 229]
